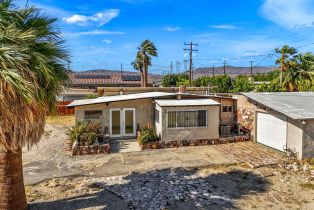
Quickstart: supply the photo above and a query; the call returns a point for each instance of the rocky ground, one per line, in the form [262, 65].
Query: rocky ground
[234, 176]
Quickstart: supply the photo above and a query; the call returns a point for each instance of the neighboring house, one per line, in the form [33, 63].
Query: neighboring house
[177, 116]
[279, 120]
[100, 78]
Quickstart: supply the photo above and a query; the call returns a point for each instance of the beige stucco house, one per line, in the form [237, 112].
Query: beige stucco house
[176, 116]
[279, 120]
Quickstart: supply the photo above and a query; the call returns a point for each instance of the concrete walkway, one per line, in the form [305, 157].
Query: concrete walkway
[123, 146]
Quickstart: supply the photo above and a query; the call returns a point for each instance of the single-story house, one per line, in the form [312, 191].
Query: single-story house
[279, 120]
[176, 116]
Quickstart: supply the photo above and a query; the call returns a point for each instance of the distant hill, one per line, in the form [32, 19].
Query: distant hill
[233, 71]
[230, 70]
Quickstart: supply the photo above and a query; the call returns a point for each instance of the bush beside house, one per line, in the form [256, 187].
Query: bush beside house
[89, 138]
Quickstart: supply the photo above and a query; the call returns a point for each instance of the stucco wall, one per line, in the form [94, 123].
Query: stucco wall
[226, 118]
[211, 131]
[158, 122]
[308, 139]
[294, 136]
[144, 110]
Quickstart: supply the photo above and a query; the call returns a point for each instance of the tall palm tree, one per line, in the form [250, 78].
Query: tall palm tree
[146, 51]
[32, 71]
[285, 53]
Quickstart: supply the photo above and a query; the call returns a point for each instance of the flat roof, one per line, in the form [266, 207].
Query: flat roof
[296, 105]
[186, 102]
[108, 99]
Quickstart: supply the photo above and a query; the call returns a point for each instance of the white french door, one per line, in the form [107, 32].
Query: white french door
[122, 122]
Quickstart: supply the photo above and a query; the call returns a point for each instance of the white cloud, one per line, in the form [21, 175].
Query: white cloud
[107, 41]
[95, 32]
[172, 29]
[226, 27]
[100, 18]
[289, 14]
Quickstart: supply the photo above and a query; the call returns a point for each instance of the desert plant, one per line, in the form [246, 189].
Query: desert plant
[147, 134]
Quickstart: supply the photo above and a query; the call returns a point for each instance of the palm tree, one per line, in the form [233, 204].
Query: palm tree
[146, 51]
[285, 53]
[137, 65]
[32, 71]
[299, 75]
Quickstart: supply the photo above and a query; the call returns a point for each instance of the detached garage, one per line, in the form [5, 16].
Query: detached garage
[279, 120]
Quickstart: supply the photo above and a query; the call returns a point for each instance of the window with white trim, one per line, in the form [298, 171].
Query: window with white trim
[93, 115]
[187, 118]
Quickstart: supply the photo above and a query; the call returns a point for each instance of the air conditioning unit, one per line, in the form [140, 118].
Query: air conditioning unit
[225, 130]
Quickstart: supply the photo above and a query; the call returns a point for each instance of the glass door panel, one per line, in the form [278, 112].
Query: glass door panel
[129, 122]
[115, 122]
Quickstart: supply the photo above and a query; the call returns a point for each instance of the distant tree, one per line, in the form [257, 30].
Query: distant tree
[242, 84]
[146, 51]
[90, 96]
[173, 80]
[221, 84]
[264, 77]
[202, 81]
[272, 87]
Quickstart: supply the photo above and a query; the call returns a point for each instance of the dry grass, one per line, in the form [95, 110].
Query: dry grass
[68, 120]
[308, 186]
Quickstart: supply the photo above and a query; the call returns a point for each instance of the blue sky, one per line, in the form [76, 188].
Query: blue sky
[101, 34]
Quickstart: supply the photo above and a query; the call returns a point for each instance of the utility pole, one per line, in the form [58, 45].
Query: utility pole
[251, 70]
[225, 63]
[213, 71]
[191, 50]
[121, 68]
[171, 67]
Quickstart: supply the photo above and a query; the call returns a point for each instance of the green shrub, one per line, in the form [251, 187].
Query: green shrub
[87, 133]
[147, 134]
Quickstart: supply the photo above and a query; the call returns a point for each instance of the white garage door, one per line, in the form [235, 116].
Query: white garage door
[271, 130]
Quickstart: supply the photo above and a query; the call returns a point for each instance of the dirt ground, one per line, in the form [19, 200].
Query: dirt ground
[55, 180]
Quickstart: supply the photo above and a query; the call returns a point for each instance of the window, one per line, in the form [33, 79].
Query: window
[187, 119]
[93, 115]
[227, 108]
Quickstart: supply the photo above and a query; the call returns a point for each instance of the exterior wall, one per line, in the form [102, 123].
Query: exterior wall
[308, 139]
[299, 137]
[211, 131]
[158, 121]
[294, 136]
[144, 110]
[226, 118]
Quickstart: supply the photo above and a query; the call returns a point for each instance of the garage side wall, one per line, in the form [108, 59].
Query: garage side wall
[212, 130]
[294, 136]
[308, 139]
[144, 110]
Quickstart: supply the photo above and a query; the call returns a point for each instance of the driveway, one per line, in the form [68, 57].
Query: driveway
[49, 160]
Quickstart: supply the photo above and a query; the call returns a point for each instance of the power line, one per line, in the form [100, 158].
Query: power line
[191, 50]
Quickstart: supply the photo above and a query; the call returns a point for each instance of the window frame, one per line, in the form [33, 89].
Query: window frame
[227, 106]
[93, 119]
[186, 127]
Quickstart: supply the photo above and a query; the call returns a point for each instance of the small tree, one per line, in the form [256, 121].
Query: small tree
[202, 81]
[221, 84]
[242, 84]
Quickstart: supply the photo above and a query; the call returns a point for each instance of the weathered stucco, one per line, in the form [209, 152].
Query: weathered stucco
[299, 137]
[308, 139]
[211, 131]
[144, 111]
[294, 136]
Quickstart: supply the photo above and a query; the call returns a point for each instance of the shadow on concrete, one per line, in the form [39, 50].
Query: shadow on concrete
[155, 190]
[123, 146]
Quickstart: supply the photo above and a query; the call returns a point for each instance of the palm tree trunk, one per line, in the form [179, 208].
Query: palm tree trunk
[12, 191]
[145, 73]
[142, 78]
